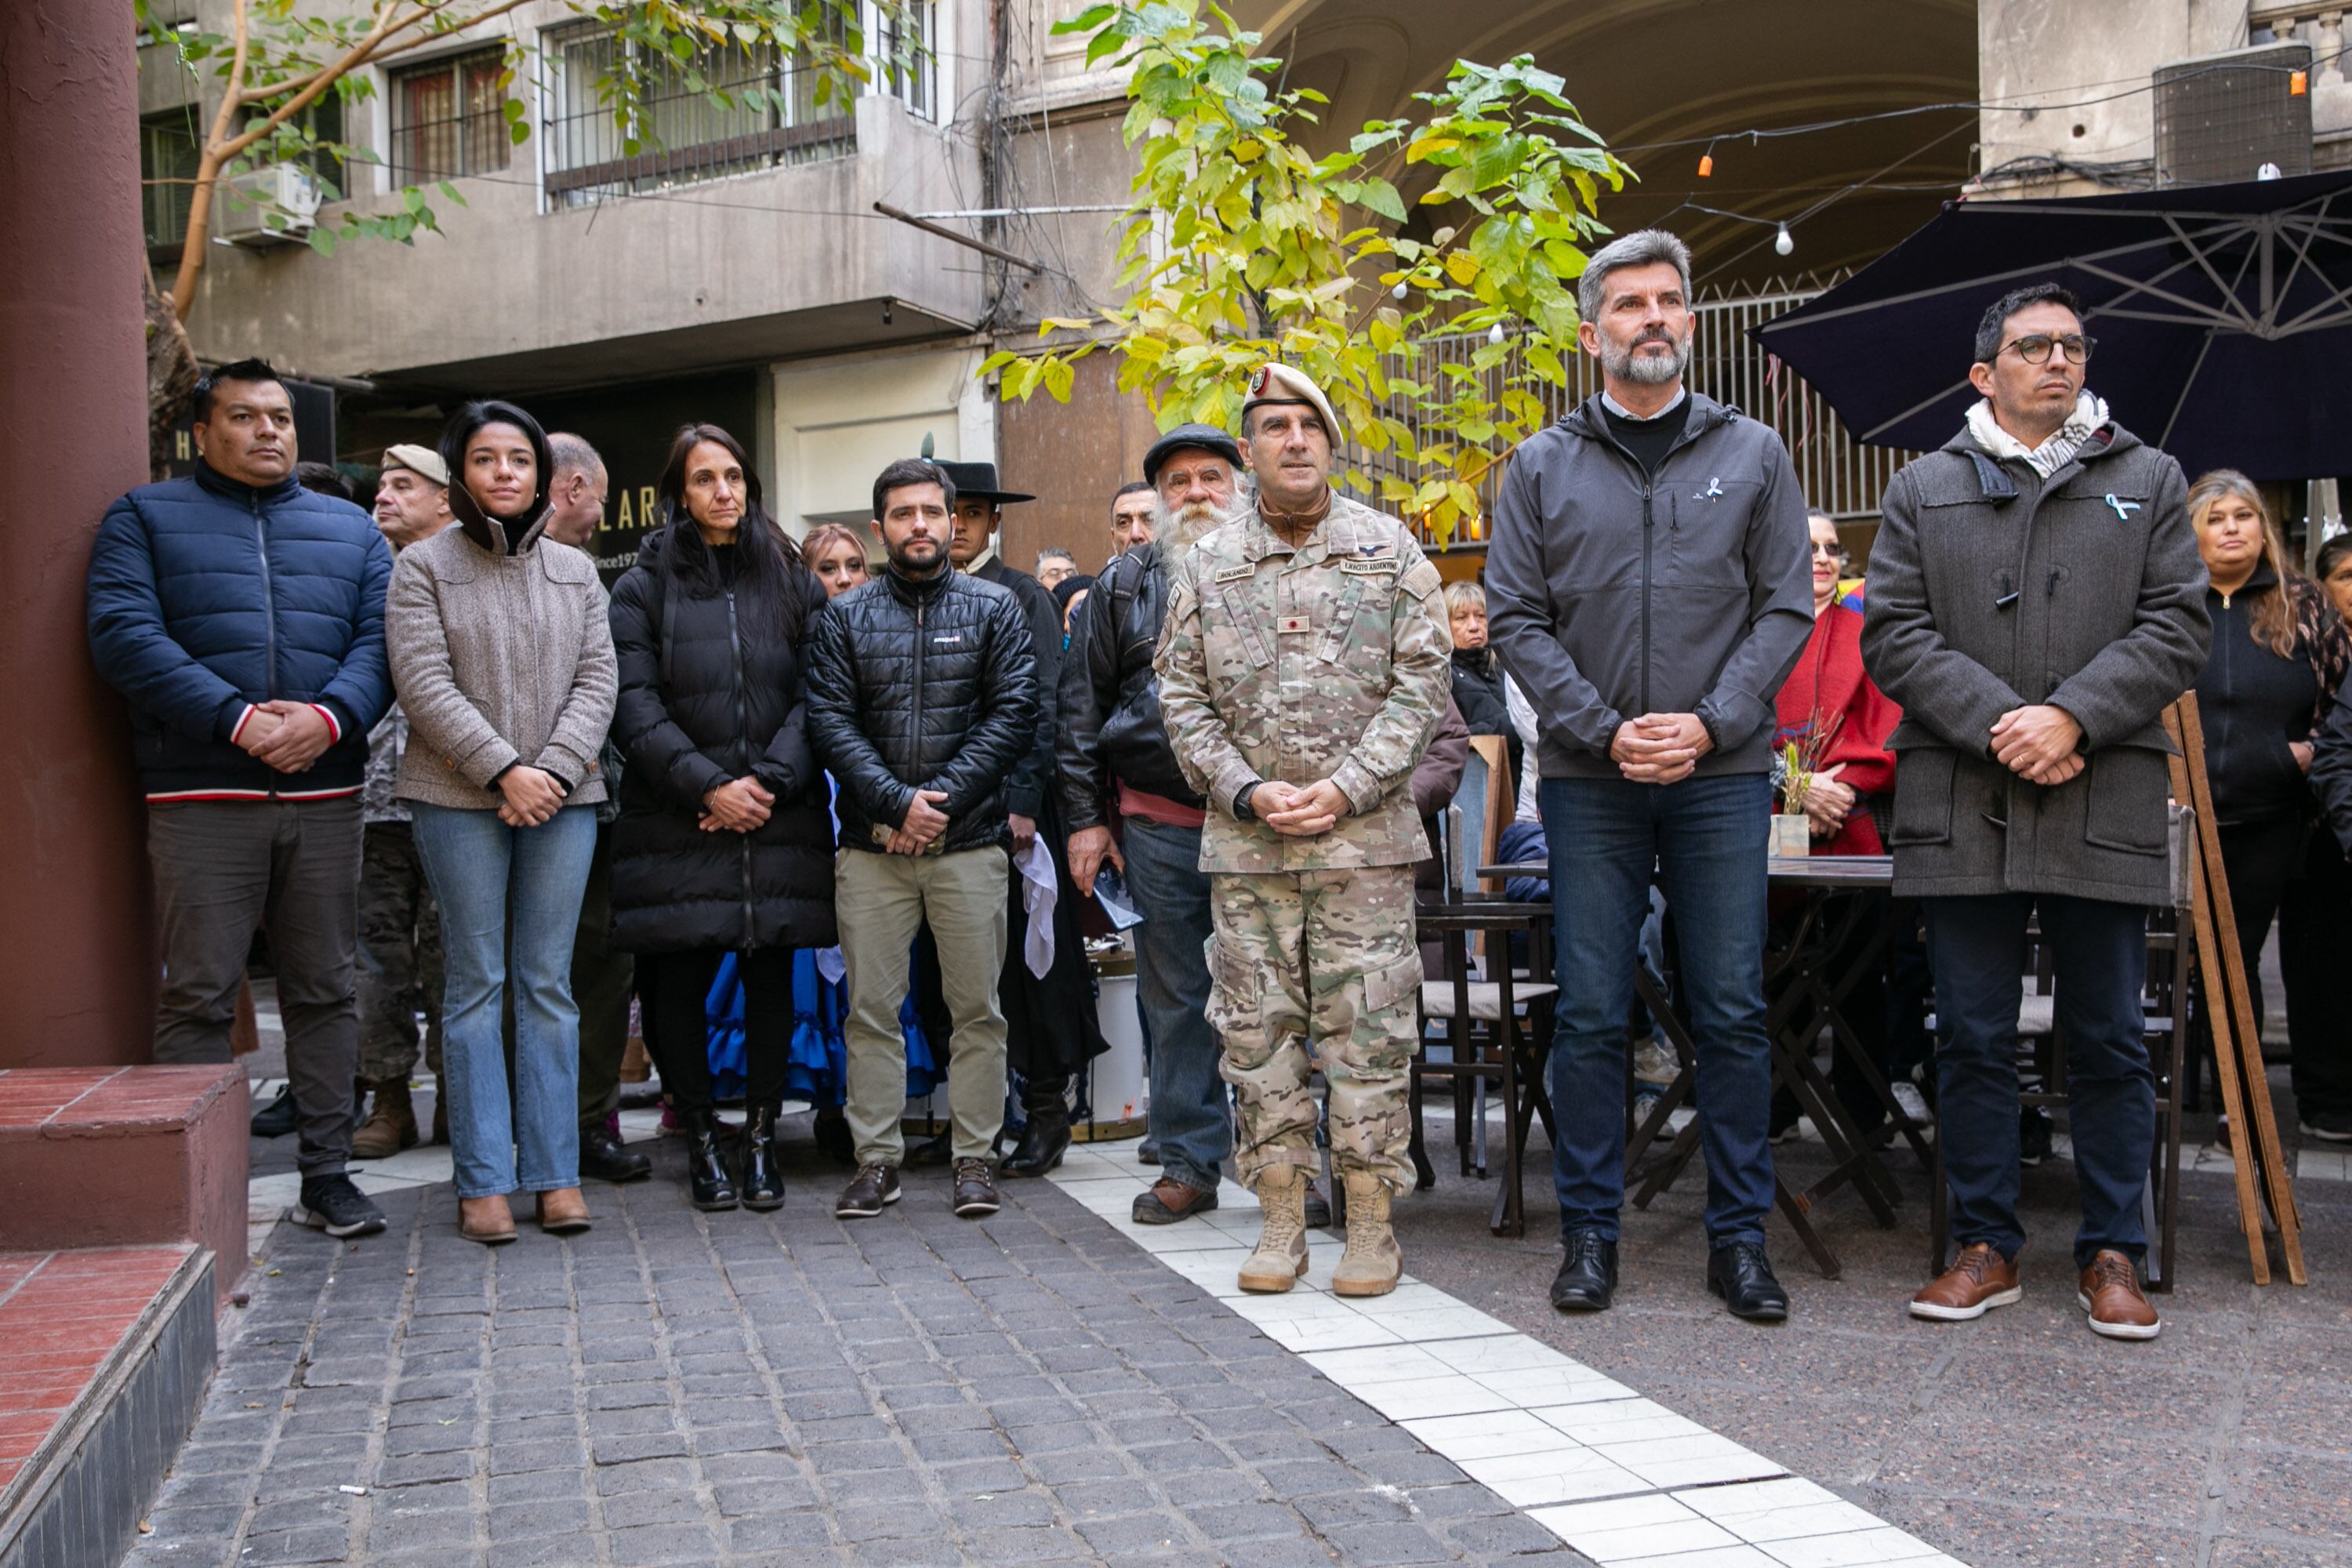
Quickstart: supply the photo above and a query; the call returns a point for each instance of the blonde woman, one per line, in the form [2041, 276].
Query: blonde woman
[2280, 650]
[1481, 689]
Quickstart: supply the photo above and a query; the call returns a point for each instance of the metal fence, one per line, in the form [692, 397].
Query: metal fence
[1840, 476]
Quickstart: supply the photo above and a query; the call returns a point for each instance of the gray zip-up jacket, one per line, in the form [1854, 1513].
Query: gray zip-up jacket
[1612, 594]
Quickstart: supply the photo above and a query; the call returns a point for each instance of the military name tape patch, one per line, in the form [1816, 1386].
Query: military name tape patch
[1237, 573]
[1382, 563]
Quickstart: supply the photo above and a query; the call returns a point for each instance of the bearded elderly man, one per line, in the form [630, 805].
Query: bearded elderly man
[1304, 667]
[1115, 763]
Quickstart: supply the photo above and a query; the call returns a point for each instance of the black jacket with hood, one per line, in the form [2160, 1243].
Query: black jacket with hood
[712, 684]
[1612, 593]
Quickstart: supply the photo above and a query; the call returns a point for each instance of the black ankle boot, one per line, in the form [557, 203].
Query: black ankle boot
[1043, 1141]
[763, 1181]
[708, 1186]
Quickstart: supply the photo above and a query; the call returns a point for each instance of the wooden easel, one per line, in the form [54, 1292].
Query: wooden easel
[2261, 1168]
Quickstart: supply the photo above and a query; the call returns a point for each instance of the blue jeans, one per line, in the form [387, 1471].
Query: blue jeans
[2099, 955]
[480, 870]
[1189, 1117]
[1705, 839]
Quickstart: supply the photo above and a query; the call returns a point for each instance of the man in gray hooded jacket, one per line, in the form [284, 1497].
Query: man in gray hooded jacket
[1649, 586]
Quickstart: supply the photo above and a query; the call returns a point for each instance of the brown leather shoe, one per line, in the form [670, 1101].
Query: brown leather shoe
[2110, 1293]
[975, 1190]
[1979, 1280]
[563, 1212]
[1171, 1200]
[487, 1220]
[869, 1192]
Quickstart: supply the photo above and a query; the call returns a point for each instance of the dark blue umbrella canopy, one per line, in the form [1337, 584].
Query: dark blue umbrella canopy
[2223, 315]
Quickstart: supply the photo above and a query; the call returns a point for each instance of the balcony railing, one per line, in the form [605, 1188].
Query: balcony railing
[1840, 474]
[2327, 26]
[772, 120]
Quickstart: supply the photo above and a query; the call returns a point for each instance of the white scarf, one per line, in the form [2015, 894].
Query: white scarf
[2090, 414]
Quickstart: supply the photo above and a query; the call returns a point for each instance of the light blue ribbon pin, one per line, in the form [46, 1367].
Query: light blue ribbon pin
[1714, 491]
[2124, 509]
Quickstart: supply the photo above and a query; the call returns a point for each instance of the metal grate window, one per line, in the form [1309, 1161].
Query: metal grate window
[446, 119]
[765, 114]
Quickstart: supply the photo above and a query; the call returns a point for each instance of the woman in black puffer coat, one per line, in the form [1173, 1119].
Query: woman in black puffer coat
[724, 843]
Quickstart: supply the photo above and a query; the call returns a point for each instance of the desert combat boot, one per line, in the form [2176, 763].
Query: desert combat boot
[1370, 1265]
[1281, 1254]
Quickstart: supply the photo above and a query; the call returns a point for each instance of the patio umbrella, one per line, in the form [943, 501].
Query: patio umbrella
[2223, 315]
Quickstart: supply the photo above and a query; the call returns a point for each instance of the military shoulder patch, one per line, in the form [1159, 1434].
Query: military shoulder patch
[1422, 580]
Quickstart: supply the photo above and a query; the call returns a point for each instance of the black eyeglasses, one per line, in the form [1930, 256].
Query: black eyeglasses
[2034, 347]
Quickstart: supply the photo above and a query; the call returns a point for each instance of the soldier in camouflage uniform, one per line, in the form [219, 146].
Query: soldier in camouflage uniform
[399, 929]
[1304, 666]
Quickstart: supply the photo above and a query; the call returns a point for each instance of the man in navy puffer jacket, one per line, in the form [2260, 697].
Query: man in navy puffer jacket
[242, 617]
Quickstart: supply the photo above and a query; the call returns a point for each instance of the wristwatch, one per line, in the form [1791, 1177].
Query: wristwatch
[1242, 810]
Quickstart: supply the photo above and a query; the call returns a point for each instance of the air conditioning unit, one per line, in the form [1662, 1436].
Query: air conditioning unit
[262, 207]
[2220, 119]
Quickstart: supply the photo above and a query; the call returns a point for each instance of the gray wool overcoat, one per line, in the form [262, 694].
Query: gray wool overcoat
[2085, 592]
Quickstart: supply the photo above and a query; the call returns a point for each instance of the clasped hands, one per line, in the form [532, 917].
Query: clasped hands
[1300, 811]
[288, 736]
[739, 805]
[2038, 744]
[924, 822]
[1659, 748]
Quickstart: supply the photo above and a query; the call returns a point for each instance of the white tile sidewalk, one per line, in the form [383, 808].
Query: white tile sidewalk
[1618, 1477]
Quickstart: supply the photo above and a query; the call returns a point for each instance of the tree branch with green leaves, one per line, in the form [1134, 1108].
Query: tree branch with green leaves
[1241, 246]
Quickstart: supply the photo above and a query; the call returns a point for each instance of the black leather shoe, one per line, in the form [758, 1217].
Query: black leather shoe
[1042, 1142]
[605, 1158]
[932, 1152]
[763, 1181]
[1588, 1275]
[275, 1119]
[709, 1185]
[1741, 1275]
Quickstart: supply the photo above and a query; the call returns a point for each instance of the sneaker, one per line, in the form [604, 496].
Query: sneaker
[2035, 1129]
[1910, 1102]
[2328, 1126]
[333, 1204]
[975, 1190]
[2111, 1295]
[1979, 1280]
[874, 1188]
[1655, 1066]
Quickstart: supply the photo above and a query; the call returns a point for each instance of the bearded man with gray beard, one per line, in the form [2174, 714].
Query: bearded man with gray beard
[1115, 762]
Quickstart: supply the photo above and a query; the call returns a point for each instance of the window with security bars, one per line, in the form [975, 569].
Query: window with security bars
[447, 119]
[722, 111]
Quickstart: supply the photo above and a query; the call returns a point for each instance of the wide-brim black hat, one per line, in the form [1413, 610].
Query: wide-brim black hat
[1207, 438]
[977, 481]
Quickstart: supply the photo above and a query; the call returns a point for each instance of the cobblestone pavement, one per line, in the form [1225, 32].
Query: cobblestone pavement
[674, 1387]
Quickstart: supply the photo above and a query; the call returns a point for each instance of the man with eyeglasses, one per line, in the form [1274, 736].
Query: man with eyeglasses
[2035, 601]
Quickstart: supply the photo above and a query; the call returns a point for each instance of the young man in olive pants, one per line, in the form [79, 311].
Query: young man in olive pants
[922, 696]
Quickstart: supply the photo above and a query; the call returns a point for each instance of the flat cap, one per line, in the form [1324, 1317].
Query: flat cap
[1276, 383]
[419, 459]
[1207, 438]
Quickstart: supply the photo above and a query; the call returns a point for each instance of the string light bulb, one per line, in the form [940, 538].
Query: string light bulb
[1495, 334]
[1782, 242]
[1706, 164]
[2298, 84]
[1399, 289]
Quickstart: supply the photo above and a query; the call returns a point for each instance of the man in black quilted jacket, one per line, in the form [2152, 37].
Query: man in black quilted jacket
[922, 699]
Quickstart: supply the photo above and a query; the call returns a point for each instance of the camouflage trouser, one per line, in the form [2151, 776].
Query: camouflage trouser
[399, 956]
[1319, 960]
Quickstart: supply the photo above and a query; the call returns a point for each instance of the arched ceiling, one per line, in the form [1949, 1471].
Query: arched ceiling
[1646, 71]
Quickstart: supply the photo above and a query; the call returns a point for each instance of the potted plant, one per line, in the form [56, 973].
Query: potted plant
[1794, 771]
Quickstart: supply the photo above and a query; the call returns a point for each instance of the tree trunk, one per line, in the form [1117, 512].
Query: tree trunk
[170, 378]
